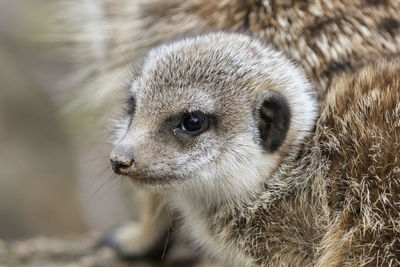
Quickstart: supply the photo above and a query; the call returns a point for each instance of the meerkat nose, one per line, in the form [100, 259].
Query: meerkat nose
[122, 161]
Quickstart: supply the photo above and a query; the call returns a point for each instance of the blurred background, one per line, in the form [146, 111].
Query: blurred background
[54, 170]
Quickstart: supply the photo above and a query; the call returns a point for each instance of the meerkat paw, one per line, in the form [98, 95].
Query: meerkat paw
[133, 241]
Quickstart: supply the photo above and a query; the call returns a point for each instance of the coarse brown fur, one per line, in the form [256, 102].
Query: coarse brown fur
[345, 208]
[359, 138]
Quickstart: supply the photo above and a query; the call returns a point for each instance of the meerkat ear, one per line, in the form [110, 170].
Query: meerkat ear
[274, 121]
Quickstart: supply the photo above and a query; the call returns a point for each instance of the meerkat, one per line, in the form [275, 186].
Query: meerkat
[223, 128]
[326, 38]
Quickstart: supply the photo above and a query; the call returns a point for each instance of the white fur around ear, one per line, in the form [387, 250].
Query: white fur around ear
[283, 76]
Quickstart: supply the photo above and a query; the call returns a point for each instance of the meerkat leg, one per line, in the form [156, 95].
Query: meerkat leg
[147, 238]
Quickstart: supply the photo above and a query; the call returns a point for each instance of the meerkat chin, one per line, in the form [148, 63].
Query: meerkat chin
[213, 116]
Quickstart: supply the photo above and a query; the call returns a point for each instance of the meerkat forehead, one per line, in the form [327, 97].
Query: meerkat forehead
[217, 59]
[197, 73]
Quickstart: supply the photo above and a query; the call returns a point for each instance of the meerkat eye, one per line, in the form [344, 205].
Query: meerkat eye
[194, 122]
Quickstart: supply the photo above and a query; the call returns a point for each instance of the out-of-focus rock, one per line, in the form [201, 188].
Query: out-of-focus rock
[71, 251]
[80, 251]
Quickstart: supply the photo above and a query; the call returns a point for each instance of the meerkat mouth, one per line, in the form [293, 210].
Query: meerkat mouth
[151, 179]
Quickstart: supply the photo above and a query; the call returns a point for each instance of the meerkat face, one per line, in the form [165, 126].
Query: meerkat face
[217, 111]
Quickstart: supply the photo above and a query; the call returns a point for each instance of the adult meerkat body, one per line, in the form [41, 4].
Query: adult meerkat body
[358, 136]
[324, 37]
[222, 129]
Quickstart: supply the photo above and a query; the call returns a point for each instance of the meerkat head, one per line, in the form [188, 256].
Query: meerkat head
[214, 114]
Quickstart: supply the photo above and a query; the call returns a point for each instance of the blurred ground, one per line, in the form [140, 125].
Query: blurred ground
[41, 251]
[80, 250]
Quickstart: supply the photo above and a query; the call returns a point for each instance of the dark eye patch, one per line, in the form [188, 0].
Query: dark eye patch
[131, 105]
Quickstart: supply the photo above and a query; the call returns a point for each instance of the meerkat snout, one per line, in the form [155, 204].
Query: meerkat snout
[122, 160]
[215, 111]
